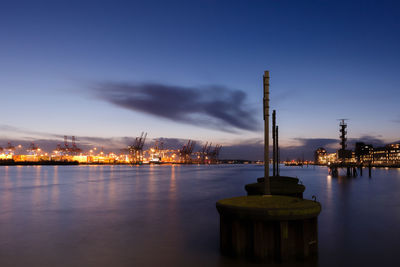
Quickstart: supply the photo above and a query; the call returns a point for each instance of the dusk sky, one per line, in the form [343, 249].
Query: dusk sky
[193, 69]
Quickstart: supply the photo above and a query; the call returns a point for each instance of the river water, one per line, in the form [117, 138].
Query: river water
[165, 215]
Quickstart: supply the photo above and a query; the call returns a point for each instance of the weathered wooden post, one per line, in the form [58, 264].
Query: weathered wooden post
[267, 189]
[369, 169]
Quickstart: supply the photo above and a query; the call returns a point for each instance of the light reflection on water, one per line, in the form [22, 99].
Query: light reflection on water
[164, 215]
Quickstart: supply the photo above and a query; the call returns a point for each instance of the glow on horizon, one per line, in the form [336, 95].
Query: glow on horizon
[53, 53]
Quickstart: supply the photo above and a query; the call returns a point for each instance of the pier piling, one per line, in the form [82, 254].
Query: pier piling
[369, 170]
[274, 222]
[354, 172]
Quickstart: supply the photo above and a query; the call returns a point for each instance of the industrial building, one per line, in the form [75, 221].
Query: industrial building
[133, 154]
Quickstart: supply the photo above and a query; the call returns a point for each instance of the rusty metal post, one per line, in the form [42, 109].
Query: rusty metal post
[266, 133]
[277, 152]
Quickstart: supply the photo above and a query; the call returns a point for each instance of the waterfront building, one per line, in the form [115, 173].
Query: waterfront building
[364, 152]
[320, 156]
[388, 155]
[393, 153]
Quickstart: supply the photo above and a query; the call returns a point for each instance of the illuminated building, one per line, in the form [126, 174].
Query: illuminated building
[320, 156]
[388, 155]
[363, 152]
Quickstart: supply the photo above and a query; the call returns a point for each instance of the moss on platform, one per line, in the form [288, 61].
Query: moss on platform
[269, 207]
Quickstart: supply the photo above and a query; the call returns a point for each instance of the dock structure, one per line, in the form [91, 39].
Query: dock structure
[269, 228]
[352, 169]
[273, 222]
[344, 157]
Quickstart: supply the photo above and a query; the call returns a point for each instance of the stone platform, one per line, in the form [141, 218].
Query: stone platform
[269, 227]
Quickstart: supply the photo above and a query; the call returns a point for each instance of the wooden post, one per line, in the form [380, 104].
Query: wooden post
[369, 169]
[266, 132]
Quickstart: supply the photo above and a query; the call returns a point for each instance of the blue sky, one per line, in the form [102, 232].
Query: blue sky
[327, 60]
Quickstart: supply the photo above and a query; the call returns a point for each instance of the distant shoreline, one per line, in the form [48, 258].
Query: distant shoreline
[75, 163]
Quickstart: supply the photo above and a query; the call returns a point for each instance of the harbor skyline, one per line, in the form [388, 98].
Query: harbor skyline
[89, 146]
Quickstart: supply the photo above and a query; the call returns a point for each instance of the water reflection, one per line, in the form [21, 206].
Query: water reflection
[55, 189]
[124, 215]
[6, 195]
[329, 188]
[172, 184]
[111, 187]
[36, 192]
[19, 175]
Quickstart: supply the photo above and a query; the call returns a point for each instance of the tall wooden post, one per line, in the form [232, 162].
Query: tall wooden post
[266, 133]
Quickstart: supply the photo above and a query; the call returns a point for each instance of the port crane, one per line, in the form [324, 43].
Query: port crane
[186, 152]
[213, 155]
[136, 150]
[75, 149]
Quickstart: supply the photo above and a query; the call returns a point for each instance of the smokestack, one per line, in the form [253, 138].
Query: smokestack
[266, 132]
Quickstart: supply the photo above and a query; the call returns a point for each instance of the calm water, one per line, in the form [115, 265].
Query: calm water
[166, 215]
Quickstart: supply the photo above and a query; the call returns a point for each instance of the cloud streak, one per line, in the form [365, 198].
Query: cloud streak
[11, 129]
[212, 107]
[396, 120]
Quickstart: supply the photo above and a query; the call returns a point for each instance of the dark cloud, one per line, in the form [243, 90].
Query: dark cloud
[306, 147]
[244, 150]
[174, 143]
[254, 149]
[211, 107]
[316, 142]
[376, 141]
[46, 145]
